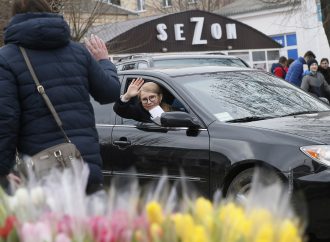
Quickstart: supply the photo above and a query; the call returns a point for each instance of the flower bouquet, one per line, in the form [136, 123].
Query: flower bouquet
[56, 209]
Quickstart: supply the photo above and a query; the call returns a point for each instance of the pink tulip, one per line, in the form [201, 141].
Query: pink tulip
[62, 238]
[38, 232]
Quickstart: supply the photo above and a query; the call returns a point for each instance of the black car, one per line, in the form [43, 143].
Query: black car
[231, 120]
[175, 60]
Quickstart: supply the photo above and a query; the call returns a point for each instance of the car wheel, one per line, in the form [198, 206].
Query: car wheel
[241, 185]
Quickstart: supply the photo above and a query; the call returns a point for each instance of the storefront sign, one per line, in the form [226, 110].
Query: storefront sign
[188, 31]
[215, 30]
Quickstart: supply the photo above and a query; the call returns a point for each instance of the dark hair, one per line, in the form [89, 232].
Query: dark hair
[288, 63]
[309, 54]
[282, 60]
[25, 6]
[324, 59]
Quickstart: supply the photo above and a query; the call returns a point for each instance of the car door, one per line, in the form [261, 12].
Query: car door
[152, 150]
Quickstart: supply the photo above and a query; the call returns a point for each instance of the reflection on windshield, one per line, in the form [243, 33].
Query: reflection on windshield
[236, 95]
[199, 62]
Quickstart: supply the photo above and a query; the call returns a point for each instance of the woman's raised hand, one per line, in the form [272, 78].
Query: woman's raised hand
[134, 88]
[97, 48]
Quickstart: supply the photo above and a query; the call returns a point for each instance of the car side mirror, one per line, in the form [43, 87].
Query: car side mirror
[178, 119]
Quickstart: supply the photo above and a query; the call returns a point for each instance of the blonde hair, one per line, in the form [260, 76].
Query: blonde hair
[151, 87]
[155, 88]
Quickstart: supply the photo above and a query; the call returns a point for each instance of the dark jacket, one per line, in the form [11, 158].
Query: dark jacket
[132, 109]
[316, 85]
[295, 72]
[69, 75]
[325, 73]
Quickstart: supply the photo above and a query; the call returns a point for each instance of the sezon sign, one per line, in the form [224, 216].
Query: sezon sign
[187, 31]
[216, 31]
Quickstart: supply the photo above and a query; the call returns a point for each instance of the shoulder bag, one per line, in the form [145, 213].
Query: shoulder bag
[60, 156]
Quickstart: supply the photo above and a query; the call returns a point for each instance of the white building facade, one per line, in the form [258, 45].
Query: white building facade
[298, 28]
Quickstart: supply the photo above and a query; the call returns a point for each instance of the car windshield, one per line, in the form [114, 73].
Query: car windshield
[247, 95]
[199, 62]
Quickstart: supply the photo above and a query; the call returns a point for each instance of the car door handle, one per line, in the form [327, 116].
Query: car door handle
[122, 143]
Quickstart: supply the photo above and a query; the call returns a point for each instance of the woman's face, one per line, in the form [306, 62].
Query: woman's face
[150, 100]
[314, 67]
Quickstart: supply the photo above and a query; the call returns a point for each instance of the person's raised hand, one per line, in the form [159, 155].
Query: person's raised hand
[97, 47]
[134, 88]
[14, 179]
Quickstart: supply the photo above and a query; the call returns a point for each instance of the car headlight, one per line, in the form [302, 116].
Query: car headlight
[320, 153]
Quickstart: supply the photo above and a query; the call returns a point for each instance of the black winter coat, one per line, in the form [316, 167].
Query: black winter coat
[132, 109]
[69, 75]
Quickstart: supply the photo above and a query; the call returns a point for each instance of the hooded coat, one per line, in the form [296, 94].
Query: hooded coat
[295, 72]
[69, 75]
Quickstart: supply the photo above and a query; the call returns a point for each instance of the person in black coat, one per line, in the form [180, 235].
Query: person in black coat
[325, 69]
[69, 75]
[139, 99]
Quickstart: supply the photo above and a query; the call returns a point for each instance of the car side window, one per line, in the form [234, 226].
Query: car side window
[119, 67]
[129, 66]
[142, 65]
[168, 97]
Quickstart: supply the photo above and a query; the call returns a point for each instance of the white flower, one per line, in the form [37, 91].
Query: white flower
[22, 197]
[12, 203]
[37, 196]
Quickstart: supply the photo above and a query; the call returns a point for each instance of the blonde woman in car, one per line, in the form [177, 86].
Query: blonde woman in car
[140, 101]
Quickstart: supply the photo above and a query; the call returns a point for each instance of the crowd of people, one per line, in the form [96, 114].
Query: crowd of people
[314, 78]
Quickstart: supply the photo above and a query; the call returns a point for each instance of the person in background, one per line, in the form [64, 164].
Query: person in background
[288, 63]
[325, 69]
[296, 69]
[69, 75]
[280, 69]
[149, 96]
[314, 82]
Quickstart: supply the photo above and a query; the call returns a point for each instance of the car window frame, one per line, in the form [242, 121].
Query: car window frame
[124, 85]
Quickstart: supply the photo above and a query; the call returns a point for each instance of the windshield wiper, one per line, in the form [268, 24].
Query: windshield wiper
[299, 113]
[249, 119]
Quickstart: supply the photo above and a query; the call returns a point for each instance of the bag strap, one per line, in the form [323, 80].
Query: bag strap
[41, 91]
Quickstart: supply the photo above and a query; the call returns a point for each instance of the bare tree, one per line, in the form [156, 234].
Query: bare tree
[4, 17]
[325, 8]
[183, 5]
[82, 14]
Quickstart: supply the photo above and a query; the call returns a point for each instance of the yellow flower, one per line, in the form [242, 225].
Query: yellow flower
[199, 234]
[260, 215]
[204, 213]
[265, 233]
[289, 232]
[184, 225]
[155, 231]
[154, 212]
[203, 208]
[233, 224]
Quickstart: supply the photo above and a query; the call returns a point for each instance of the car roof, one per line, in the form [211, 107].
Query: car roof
[176, 56]
[175, 71]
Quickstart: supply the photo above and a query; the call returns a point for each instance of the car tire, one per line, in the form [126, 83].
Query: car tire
[240, 185]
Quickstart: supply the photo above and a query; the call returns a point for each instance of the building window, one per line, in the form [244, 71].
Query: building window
[116, 2]
[289, 43]
[140, 5]
[167, 3]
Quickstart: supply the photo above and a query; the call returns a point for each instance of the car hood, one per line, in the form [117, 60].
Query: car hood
[314, 127]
